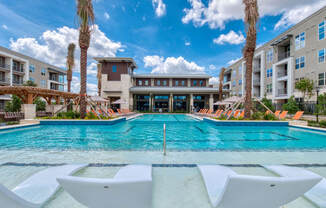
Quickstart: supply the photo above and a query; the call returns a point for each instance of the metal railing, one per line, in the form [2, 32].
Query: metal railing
[18, 69]
[256, 82]
[282, 92]
[164, 139]
[283, 73]
[4, 80]
[257, 68]
[18, 82]
[284, 55]
[5, 66]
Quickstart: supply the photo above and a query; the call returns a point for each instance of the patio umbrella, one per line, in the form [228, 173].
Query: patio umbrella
[234, 99]
[222, 103]
[98, 99]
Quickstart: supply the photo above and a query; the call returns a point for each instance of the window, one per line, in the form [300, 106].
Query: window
[321, 56]
[146, 82]
[269, 88]
[43, 83]
[31, 68]
[270, 56]
[321, 30]
[201, 83]
[195, 82]
[140, 82]
[164, 82]
[300, 62]
[322, 79]
[240, 81]
[114, 68]
[233, 83]
[240, 69]
[300, 41]
[32, 79]
[269, 72]
[158, 82]
[61, 88]
[183, 83]
[43, 71]
[177, 83]
[61, 78]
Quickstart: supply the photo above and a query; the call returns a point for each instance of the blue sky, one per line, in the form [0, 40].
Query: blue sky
[163, 36]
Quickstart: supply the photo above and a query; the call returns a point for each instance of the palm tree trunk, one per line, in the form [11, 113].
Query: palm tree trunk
[83, 80]
[69, 86]
[248, 97]
[221, 84]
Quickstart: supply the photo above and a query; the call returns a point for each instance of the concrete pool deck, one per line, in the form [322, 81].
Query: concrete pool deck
[173, 186]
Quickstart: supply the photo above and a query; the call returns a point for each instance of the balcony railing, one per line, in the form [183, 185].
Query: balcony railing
[18, 69]
[256, 82]
[284, 55]
[283, 73]
[256, 68]
[4, 80]
[18, 82]
[282, 92]
[5, 66]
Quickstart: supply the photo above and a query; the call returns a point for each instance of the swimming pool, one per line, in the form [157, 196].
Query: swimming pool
[183, 133]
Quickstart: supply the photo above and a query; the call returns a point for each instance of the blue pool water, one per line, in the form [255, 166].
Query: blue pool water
[146, 133]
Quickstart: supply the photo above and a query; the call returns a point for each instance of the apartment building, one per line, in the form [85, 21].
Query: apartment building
[297, 53]
[154, 92]
[16, 69]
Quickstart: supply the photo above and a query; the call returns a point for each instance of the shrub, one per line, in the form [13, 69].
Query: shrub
[291, 106]
[268, 103]
[40, 104]
[257, 116]
[270, 117]
[322, 124]
[14, 105]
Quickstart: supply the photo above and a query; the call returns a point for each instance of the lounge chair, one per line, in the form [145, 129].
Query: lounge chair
[236, 113]
[227, 189]
[317, 194]
[209, 111]
[277, 113]
[37, 189]
[130, 187]
[298, 115]
[283, 115]
[219, 114]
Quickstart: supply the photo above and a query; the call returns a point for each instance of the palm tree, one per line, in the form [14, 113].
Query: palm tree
[70, 63]
[99, 79]
[221, 84]
[86, 20]
[251, 19]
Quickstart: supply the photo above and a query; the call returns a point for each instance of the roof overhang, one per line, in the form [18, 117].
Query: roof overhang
[180, 76]
[117, 59]
[174, 89]
[280, 40]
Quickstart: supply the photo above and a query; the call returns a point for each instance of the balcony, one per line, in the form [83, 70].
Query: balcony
[284, 55]
[4, 81]
[256, 82]
[19, 70]
[282, 92]
[256, 68]
[17, 82]
[4, 67]
[282, 73]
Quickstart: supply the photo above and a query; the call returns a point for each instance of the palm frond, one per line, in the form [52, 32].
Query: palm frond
[85, 13]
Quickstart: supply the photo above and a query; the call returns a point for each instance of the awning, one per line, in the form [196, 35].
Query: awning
[222, 103]
[280, 40]
[120, 101]
[234, 99]
[98, 99]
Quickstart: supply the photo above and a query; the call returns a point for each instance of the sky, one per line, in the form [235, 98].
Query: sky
[163, 36]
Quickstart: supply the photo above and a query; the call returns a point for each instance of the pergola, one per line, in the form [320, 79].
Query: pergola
[28, 94]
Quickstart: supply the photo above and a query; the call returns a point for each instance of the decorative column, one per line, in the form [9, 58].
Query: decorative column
[171, 103]
[211, 102]
[150, 102]
[11, 69]
[191, 106]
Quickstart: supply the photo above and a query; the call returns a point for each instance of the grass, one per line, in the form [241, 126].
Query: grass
[321, 124]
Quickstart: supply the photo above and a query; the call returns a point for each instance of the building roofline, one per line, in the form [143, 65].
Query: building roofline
[204, 76]
[29, 57]
[284, 33]
[117, 59]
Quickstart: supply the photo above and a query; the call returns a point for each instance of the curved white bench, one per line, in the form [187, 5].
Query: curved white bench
[37, 189]
[227, 189]
[130, 187]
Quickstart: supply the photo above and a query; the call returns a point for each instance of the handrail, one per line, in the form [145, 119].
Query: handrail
[164, 139]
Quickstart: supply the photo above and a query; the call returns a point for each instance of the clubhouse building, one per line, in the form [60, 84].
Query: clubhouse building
[154, 92]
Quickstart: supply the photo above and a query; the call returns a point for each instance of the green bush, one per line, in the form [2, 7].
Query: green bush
[67, 115]
[270, 117]
[257, 116]
[40, 104]
[268, 103]
[291, 106]
[14, 105]
[322, 124]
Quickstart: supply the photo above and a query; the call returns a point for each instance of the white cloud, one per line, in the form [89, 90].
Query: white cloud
[212, 67]
[231, 38]
[219, 12]
[75, 86]
[233, 61]
[51, 47]
[214, 81]
[106, 16]
[187, 43]
[160, 7]
[4, 27]
[172, 65]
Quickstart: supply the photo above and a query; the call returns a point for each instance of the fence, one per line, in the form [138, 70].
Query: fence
[307, 107]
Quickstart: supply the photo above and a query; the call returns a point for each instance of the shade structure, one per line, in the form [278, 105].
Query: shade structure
[222, 103]
[120, 101]
[98, 99]
[234, 99]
